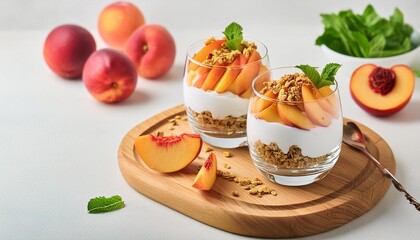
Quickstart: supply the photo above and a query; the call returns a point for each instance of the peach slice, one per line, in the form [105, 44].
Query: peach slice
[313, 108]
[262, 103]
[244, 80]
[202, 55]
[206, 177]
[231, 73]
[270, 114]
[200, 81]
[247, 93]
[194, 75]
[382, 91]
[293, 116]
[213, 77]
[331, 102]
[168, 153]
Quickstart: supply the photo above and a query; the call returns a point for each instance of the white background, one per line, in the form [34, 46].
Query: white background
[58, 146]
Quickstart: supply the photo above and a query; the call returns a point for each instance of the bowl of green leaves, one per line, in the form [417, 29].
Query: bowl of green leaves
[356, 39]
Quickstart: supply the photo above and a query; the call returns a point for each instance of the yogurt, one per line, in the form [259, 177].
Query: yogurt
[314, 143]
[219, 104]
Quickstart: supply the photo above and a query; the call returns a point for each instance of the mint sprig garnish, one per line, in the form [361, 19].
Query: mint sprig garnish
[327, 76]
[103, 204]
[233, 34]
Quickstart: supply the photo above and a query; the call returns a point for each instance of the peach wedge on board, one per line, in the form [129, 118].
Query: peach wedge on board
[168, 153]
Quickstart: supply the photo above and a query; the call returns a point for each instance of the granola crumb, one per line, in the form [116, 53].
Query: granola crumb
[235, 194]
[209, 149]
[227, 154]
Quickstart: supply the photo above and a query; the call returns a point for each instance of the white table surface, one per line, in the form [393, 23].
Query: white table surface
[58, 146]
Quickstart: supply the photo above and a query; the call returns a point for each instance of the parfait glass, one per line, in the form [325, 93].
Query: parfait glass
[216, 96]
[294, 129]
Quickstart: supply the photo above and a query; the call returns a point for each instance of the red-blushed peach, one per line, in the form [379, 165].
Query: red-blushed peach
[168, 153]
[117, 21]
[109, 76]
[207, 175]
[66, 49]
[382, 91]
[152, 50]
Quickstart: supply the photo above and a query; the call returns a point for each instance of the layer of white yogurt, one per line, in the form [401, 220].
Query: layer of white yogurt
[219, 104]
[314, 143]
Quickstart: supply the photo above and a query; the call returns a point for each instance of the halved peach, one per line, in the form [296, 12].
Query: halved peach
[270, 114]
[293, 116]
[202, 55]
[313, 108]
[231, 73]
[382, 91]
[168, 153]
[244, 80]
[206, 177]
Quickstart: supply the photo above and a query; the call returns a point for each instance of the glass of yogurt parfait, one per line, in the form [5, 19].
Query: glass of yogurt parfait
[295, 123]
[217, 86]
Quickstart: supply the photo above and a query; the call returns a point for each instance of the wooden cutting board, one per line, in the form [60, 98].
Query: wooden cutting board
[351, 189]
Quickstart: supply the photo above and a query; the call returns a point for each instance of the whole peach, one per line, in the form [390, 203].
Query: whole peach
[152, 49]
[109, 76]
[66, 49]
[117, 22]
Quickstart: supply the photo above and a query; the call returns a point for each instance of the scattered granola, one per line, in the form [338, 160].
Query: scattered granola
[227, 154]
[235, 194]
[292, 159]
[253, 185]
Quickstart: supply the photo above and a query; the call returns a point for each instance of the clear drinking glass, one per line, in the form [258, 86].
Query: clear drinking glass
[217, 97]
[293, 141]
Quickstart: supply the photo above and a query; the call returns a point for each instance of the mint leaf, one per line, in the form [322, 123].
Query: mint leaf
[311, 72]
[103, 204]
[233, 34]
[327, 76]
[416, 72]
[363, 35]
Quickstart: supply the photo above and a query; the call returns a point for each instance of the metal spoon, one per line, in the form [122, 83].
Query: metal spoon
[354, 137]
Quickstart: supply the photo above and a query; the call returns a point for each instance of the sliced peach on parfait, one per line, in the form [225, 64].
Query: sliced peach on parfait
[214, 75]
[313, 108]
[202, 55]
[200, 81]
[327, 93]
[231, 73]
[293, 116]
[270, 114]
[244, 80]
[207, 175]
[262, 104]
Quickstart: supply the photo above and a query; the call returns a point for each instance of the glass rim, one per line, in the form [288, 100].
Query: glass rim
[190, 54]
[276, 100]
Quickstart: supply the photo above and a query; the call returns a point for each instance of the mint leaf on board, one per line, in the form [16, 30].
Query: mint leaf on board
[327, 76]
[103, 204]
[233, 34]
[366, 35]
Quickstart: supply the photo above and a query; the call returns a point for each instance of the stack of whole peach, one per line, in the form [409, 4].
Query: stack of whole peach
[110, 74]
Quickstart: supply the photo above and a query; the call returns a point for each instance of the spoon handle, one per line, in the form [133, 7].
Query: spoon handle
[394, 180]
